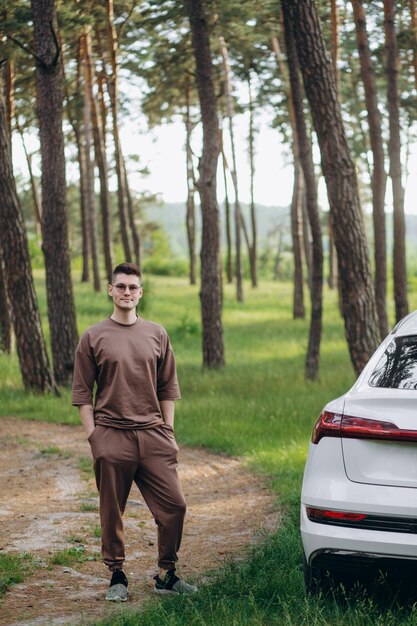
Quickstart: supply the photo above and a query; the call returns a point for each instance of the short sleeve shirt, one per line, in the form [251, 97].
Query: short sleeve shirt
[131, 367]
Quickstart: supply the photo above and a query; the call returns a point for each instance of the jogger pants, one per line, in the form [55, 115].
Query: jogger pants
[149, 458]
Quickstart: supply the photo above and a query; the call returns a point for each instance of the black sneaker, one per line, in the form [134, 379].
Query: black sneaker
[118, 587]
[170, 583]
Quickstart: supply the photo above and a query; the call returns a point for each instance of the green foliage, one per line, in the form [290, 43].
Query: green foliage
[158, 256]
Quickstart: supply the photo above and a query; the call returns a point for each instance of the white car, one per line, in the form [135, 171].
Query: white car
[359, 494]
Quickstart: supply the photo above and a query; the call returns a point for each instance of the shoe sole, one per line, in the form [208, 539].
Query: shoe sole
[168, 592]
[116, 599]
[165, 592]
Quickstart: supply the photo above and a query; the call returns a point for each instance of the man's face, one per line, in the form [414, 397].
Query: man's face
[125, 291]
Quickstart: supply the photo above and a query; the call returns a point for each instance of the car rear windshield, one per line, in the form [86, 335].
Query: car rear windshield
[397, 368]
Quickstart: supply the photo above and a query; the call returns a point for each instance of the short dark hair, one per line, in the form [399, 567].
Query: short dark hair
[126, 268]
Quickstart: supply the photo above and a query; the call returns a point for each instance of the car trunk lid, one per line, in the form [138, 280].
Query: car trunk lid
[379, 437]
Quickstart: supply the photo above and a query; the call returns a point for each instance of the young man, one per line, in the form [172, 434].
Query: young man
[130, 427]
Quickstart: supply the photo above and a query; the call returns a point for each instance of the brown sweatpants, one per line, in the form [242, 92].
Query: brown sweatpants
[148, 457]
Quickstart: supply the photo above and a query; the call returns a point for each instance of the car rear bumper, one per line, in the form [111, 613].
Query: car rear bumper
[326, 486]
[325, 543]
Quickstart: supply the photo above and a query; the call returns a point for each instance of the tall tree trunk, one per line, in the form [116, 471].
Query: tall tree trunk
[335, 56]
[299, 311]
[101, 160]
[298, 184]
[378, 175]
[237, 213]
[229, 267]
[76, 120]
[5, 316]
[31, 349]
[333, 280]
[91, 194]
[9, 96]
[413, 14]
[113, 91]
[307, 241]
[358, 299]
[61, 309]
[211, 287]
[101, 79]
[399, 264]
[190, 212]
[335, 41]
[37, 208]
[306, 161]
[253, 249]
[131, 216]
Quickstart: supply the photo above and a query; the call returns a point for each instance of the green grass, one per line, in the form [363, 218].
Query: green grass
[260, 408]
[55, 451]
[69, 557]
[13, 568]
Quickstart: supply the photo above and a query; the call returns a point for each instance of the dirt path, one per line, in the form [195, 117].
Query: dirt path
[48, 503]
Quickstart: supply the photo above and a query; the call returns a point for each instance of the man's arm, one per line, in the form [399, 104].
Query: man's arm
[167, 410]
[87, 418]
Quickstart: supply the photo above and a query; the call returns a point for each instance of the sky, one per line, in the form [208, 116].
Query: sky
[162, 150]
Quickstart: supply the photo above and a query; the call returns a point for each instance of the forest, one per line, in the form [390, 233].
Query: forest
[341, 82]
[338, 83]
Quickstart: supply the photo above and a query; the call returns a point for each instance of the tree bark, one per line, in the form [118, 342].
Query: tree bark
[399, 262]
[131, 216]
[5, 317]
[237, 213]
[412, 5]
[9, 94]
[31, 349]
[49, 101]
[306, 161]
[335, 42]
[298, 184]
[299, 311]
[100, 153]
[378, 175]
[190, 209]
[253, 249]
[37, 208]
[91, 195]
[113, 91]
[307, 241]
[211, 288]
[358, 299]
[229, 267]
[76, 120]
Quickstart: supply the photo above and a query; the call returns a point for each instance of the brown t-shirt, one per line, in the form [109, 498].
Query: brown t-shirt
[134, 368]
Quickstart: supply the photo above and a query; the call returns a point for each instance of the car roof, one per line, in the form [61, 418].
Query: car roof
[406, 326]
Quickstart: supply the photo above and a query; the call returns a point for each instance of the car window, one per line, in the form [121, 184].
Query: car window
[397, 368]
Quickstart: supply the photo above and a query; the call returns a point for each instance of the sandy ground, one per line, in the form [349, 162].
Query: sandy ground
[48, 504]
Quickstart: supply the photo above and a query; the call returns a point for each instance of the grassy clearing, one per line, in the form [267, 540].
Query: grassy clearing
[260, 408]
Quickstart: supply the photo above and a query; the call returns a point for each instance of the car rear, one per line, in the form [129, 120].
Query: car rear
[359, 495]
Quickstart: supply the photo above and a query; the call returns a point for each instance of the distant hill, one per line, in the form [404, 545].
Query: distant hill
[171, 217]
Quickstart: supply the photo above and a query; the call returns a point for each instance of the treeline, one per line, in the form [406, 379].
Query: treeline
[328, 70]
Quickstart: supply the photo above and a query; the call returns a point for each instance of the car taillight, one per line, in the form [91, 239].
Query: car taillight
[362, 428]
[335, 425]
[323, 515]
[327, 425]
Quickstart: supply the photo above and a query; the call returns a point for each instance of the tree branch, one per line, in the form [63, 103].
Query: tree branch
[26, 49]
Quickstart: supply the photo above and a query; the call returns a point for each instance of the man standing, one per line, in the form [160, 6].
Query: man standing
[130, 428]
